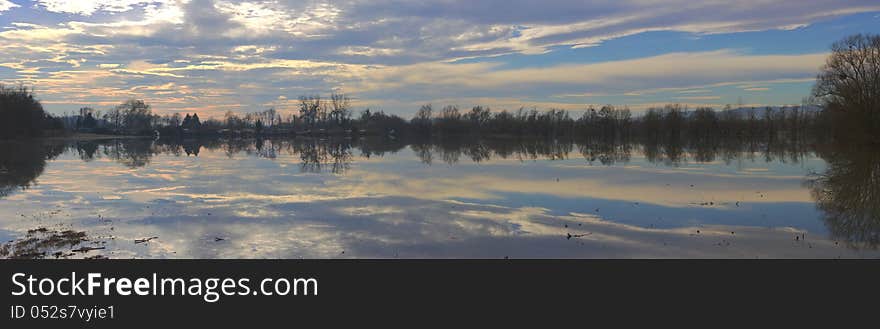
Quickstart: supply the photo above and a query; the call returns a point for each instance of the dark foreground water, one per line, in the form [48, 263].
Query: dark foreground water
[461, 198]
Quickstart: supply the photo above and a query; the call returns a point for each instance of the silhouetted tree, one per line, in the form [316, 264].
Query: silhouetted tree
[195, 123]
[187, 121]
[340, 108]
[86, 119]
[134, 116]
[309, 109]
[22, 115]
[422, 121]
[848, 87]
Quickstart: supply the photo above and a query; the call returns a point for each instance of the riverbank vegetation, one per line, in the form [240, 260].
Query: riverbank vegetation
[22, 115]
[333, 116]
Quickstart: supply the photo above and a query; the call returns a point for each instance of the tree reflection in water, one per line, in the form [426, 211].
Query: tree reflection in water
[848, 193]
[22, 162]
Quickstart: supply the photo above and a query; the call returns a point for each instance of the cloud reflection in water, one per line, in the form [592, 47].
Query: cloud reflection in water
[379, 199]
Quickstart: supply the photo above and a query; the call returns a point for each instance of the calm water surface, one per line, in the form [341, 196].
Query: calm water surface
[319, 198]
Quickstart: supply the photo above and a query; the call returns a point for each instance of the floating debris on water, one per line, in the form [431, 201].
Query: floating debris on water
[145, 240]
[87, 249]
[569, 235]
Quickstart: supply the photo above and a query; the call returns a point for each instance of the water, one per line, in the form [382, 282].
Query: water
[451, 198]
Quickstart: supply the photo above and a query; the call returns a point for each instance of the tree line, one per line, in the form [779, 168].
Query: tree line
[315, 115]
[670, 121]
[334, 116]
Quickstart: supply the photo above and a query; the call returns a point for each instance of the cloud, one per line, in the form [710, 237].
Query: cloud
[669, 70]
[89, 7]
[400, 32]
[522, 27]
[693, 91]
[394, 51]
[6, 5]
[698, 98]
[225, 82]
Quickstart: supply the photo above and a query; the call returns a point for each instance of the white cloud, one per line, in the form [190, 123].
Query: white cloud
[89, 7]
[262, 18]
[6, 5]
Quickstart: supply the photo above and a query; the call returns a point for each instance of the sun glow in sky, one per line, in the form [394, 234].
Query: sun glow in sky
[212, 56]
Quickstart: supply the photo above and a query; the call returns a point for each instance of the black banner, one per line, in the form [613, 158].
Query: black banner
[431, 291]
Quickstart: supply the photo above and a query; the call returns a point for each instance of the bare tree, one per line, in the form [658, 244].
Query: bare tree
[136, 115]
[849, 84]
[309, 108]
[340, 108]
[423, 118]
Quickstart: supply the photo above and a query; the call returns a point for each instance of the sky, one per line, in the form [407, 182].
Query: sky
[210, 57]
